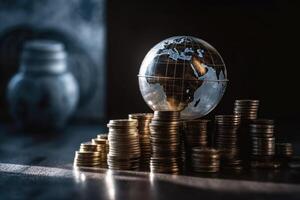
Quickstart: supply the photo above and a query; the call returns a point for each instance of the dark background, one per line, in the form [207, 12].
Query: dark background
[258, 41]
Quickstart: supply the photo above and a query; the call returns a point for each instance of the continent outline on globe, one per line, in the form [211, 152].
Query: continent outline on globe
[183, 73]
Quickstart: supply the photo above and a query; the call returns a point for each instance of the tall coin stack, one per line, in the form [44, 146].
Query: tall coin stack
[144, 120]
[263, 144]
[90, 155]
[205, 160]
[165, 142]
[284, 152]
[195, 135]
[248, 110]
[124, 148]
[226, 140]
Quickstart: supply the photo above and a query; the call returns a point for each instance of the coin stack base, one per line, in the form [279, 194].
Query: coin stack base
[294, 162]
[284, 153]
[265, 164]
[205, 160]
[91, 154]
[87, 159]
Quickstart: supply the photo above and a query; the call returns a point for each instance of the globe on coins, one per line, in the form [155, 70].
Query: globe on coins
[183, 73]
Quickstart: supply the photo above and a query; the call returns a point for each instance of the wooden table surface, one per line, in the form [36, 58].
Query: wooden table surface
[40, 167]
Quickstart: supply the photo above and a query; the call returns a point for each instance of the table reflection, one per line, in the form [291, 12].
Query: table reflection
[110, 185]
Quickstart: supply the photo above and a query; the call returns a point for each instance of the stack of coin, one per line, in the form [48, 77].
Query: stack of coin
[263, 143]
[194, 135]
[205, 160]
[226, 140]
[165, 142]
[103, 143]
[248, 110]
[144, 120]
[124, 147]
[104, 136]
[284, 152]
[90, 155]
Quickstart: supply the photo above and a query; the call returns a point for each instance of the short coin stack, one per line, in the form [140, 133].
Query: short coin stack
[165, 142]
[102, 136]
[144, 120]
[248, 110]
[284, 152]
[205, 160]
[90, 155]
[195, 135]
[263, 144]
[227, 130]
[124, 147]
[102, 141]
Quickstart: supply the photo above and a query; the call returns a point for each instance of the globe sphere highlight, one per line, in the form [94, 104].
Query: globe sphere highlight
[183, 73]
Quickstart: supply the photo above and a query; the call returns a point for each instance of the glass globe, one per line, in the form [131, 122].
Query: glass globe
[183, 73]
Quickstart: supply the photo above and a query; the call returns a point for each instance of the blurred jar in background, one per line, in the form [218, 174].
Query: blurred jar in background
[43, 94]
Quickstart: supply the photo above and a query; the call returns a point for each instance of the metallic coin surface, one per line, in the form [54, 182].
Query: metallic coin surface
[166, 142]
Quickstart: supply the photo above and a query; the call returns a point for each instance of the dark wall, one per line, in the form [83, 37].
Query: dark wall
[258, 40]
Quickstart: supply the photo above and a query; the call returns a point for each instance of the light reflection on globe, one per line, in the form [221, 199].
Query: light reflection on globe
[183, 73]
